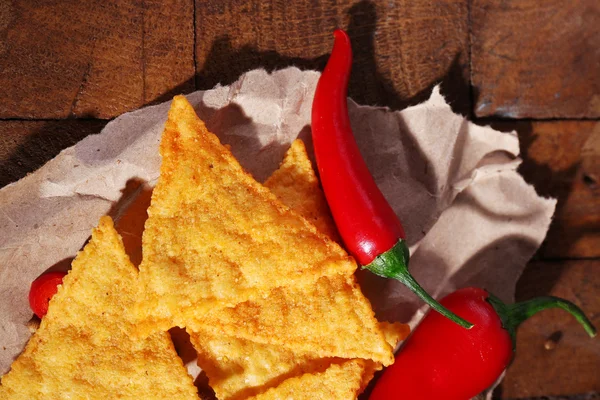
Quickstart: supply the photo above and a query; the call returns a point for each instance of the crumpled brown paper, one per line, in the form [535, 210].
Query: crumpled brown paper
[470, 218]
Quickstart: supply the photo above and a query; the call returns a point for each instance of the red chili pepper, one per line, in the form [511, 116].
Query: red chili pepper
[442, 361]
[369, 227]
[42, 290]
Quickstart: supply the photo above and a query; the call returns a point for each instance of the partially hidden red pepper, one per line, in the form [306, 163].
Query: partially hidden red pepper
[368, 225]
[42, 290]
[442, 361]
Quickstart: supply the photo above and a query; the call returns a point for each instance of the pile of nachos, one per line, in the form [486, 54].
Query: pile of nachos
[253, 272]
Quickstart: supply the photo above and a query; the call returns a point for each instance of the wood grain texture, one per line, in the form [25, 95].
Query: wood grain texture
[529, 59]
[554, 354]
[585, 396]
[27, 145]
[562, 160]
[95, 59]
[536, 59]
[401, 48]
[575, 231]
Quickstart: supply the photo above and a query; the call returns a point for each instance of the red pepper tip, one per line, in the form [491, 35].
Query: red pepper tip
[341, 34]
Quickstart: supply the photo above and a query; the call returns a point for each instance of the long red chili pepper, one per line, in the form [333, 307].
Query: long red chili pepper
[369, 227]
[442, 361]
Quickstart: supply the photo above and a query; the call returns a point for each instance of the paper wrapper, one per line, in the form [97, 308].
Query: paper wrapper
[470, 218]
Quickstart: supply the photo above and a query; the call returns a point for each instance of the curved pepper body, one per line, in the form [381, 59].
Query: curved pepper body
[367, 223]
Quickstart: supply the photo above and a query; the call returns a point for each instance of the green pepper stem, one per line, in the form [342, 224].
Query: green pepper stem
[512, 315]
[394, 264]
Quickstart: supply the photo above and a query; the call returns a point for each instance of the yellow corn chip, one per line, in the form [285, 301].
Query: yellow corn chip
[394, 332]
[83, 348]
[331, 319]
[340, 381]
[296, 185]
[238, 367]
[215, 237]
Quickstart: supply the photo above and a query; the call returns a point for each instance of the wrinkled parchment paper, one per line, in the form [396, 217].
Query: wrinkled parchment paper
[469, 216]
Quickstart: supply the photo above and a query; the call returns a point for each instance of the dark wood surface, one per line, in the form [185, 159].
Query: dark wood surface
[66, 67]
[537, 59]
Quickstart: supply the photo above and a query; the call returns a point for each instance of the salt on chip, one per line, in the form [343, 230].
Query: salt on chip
[338, 382]
[215, 237]
[238, 367]
[84, 346]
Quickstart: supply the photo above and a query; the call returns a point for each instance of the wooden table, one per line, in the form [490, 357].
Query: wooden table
[67, 67]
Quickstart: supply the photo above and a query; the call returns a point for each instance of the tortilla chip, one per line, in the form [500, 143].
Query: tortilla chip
[84, 349]
[394, 332]
[339, 381]
[215, 237]
[296, 185]
[330, 319]
[239, 367]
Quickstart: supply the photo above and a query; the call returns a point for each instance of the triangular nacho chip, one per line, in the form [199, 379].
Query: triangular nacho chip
[331, 319]
[215, 237]
[394, 332]
[296, 185]
[84, 348]
[238, 367]
[338, 382]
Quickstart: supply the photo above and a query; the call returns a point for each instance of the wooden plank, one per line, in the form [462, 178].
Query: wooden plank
[536, 59]
[555, 357]
[401, 48]
[27, 145]
[586, 396]
[168, 49]
[562, 160]
[93, 59]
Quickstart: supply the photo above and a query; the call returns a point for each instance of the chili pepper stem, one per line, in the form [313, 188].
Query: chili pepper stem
[512, 315]
[394, 264]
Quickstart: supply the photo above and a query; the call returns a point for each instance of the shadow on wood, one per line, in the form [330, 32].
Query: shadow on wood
[42, 141]
[368, 86]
